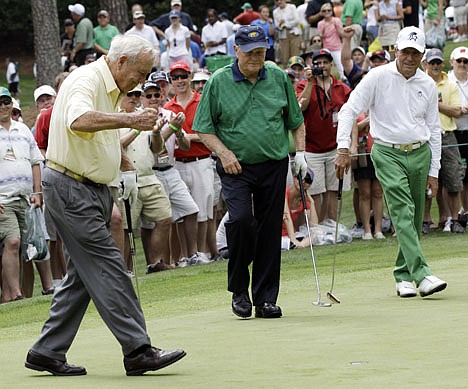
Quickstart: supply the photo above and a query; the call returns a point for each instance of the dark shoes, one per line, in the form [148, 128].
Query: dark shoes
[157, 267]
[241, 304]
[40, 362]
[151, 359]
[268, 311]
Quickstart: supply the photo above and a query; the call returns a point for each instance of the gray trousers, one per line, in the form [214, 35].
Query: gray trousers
[95, 270]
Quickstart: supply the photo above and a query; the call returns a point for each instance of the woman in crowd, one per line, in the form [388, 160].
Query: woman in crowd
[178, 40]
[389, 15]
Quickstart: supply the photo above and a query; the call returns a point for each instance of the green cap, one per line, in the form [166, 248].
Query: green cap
[4, 92]
[247, 5]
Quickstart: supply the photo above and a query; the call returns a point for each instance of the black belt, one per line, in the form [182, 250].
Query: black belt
[162, 168]
[192, 159]
[63, 170]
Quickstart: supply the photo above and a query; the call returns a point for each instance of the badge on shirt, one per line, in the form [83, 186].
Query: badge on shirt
[10, 154]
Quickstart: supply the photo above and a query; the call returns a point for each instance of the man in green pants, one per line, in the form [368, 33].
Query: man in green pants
[404, 123]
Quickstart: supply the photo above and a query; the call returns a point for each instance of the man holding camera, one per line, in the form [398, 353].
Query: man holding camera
[321, 96]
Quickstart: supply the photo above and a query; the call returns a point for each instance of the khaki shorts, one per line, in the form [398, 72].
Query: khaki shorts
[323, 166]
[152, 205]
[12, 220]
[451, 169]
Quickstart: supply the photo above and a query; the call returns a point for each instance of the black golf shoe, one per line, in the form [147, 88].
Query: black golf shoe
[268, 311]
[241, 304]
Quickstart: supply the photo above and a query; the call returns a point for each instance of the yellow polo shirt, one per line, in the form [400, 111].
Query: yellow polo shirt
[450, 94]
[94, 155]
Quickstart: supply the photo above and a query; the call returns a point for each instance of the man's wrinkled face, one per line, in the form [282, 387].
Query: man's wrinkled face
[44, 102]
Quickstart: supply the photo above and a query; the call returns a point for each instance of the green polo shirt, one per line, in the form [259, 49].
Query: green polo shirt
[84, 34]
[252, 120]
[103, 36]
[352, 8]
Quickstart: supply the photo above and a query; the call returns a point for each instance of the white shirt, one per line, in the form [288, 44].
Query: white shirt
[178, 49]
[18, 153]
[401, 111]
[228, 25]
[291, 19]
[462, 122]
[146, 32]
[11, 69]
[214, 33]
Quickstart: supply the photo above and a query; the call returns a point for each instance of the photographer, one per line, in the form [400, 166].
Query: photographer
[321, 96]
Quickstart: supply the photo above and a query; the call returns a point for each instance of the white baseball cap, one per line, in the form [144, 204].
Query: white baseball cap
[459, 52]
[44, 90]
[77, 8]
[411, 37]
[201, 76]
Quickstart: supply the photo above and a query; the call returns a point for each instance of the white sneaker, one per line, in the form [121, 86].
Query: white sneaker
[184, 262]
[448, 225]
[198, 259]
[405, 289]
[430, 285]
[367, 236]
[379, 235]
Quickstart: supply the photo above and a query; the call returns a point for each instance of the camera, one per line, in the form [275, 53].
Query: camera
[316, 69]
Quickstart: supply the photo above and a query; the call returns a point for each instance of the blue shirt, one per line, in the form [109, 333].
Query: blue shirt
[266, 28]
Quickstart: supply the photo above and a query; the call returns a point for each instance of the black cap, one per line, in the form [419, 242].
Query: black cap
[150, 84]
[322, 53]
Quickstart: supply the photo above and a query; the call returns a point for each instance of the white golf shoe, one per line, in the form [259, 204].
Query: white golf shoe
[406, 289]
[430, 285]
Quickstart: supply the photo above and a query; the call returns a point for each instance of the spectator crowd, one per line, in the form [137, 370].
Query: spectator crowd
[169, 176]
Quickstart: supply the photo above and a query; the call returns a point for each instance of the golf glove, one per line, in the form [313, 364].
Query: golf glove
[129, 186]
[300, 164]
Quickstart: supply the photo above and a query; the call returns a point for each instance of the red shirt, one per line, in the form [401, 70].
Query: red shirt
[318, 117]
[197, 149]
[294, 213]
[246, 18]
[42, 128]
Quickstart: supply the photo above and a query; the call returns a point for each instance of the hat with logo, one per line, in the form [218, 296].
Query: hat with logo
[246, 6]
[138, 15]
[411, 37]
[149, 84]
[4, 92]
[249, 38]
[159, 76]
[44, 90]
[384, 55]
[434, 54]
[322, 53]
[77, 8]
[180, 65]
[296, 60]
[459, 52]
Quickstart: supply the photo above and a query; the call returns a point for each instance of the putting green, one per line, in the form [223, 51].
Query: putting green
[372, 339]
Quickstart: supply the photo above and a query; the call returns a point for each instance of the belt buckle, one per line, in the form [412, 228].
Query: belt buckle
[407, 148]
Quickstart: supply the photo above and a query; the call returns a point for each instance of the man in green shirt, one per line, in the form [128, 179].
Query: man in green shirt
[103, 33]
[352, 16]
[244, 116]
[83, 41]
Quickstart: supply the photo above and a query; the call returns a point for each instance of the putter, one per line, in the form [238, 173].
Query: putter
[131, 238]
[317, 303]
[330, 294]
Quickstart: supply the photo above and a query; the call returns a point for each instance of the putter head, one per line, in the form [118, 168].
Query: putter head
[321, 304]
[333, 298]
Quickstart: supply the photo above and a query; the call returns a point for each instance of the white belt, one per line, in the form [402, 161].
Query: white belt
[407, 147]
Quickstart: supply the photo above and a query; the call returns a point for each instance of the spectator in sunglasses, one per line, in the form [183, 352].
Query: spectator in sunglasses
[178, 40]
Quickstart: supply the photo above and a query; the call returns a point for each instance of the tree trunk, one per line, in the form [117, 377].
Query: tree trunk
[46, 40]
[118, 12]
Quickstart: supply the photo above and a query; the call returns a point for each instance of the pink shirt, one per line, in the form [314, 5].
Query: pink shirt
[330, 36]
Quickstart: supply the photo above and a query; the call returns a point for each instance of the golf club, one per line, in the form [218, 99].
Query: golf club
[330, 294]
[317, 303]
[131, 238]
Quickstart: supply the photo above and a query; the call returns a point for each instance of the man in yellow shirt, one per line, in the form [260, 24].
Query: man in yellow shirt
[82, 157]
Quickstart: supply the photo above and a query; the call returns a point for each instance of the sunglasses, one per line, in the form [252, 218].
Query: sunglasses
[179, 76]
[175, 43]
[465, 61]
[136, 93]
[436, 62]
[156, 95]
[5, 102]
[326, 10]
[16, 112]
[317, 41]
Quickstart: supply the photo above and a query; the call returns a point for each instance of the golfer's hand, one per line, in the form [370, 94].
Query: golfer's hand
[129, 186]
[230, 163]
[145, 119]
[300, 164]
[342, 163]
[433, 185]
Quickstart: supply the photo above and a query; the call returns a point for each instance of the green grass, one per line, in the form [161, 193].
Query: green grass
[373, 338]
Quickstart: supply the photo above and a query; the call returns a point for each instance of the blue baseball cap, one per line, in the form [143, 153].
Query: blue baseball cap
[249, 38]
[174, 14]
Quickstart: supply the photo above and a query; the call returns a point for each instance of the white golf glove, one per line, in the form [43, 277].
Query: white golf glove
[129, 186]
[300, 164]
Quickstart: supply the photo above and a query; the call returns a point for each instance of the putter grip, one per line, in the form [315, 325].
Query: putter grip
[301, 188]
[128, 214]
[340, 188]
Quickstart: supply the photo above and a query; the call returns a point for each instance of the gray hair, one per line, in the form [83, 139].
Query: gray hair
[131, 46]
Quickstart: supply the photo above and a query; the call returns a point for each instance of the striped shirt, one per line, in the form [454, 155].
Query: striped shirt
[18, 152]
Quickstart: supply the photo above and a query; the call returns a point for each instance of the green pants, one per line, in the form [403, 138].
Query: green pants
[403, 176]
